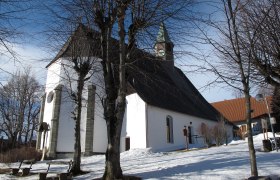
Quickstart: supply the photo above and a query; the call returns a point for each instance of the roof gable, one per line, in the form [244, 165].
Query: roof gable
[81, 34]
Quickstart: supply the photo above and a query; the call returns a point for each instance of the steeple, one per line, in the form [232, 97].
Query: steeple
[164, 46]
[163, 34]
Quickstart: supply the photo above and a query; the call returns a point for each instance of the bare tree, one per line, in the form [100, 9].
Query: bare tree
[237, 93]
[275, 105]
[235, 59]
[262, 20]
[84, 67]
[19, 108]
[142, 15]
[80, 64]
[12, 14]
[108, 16]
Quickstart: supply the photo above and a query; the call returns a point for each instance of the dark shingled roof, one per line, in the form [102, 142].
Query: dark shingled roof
[157, 82]
[82, 33]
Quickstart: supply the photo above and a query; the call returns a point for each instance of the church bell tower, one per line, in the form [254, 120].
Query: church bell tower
[164, 46]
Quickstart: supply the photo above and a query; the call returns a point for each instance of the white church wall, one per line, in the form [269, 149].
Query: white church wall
[157, 129]
[100, 130]
[124, 132]
[66, 138]
[138, 117]
[136, 121]
[84, 120]
[53, 75]
[48, 113]
[61, 73]
[53, 79]
[68, 76]
[58, 73]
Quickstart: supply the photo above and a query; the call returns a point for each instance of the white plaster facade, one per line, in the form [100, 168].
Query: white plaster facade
[58, 75]
[146, 126]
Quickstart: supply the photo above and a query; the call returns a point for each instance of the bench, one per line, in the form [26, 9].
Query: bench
[60, 176]
[14, 171]
[24, 171]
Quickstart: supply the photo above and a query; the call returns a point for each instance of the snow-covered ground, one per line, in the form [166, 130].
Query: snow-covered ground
[224, 162]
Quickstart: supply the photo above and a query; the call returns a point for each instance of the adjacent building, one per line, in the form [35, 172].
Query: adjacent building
[235, 111]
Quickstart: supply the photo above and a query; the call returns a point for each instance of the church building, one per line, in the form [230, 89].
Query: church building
[161, 102]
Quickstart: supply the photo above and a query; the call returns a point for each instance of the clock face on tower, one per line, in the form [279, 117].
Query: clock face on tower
[161, 52]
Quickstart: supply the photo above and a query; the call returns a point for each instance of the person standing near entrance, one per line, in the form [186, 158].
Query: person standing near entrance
[185, 132]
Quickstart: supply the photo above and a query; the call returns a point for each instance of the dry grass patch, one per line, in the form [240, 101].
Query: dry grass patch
[20, 154]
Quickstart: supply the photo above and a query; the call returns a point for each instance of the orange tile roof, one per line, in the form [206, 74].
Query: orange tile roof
[235, 110]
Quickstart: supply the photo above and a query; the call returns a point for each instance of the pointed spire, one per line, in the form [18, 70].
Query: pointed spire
[162, 34]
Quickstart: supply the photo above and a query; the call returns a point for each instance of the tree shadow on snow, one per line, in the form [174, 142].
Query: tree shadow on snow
[263, 160]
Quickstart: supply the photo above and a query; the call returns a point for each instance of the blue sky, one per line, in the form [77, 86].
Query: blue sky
[35, 57]
[33, 52]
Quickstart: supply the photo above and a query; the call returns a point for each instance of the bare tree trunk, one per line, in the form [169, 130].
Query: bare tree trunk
[32, 130]
[20, 125]
[76, 168]
[28, 127]
[13, 140]
[252, 152]
[114, 125]
[31, 136]
[236, 56]
[112, 167]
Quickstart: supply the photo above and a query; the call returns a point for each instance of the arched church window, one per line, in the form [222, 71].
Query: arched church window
[169, 129]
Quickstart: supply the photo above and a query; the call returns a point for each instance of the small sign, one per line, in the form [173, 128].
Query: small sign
[273, 120]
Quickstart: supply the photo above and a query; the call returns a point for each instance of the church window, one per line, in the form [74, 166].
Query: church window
[169, 129]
